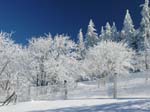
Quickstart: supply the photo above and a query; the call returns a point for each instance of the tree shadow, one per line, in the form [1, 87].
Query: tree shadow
[129, 106]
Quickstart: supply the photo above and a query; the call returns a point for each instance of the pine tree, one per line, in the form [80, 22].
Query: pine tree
[102, 34]
[81, 40]
[144, 38]
[129, 31]
[81, 45]
[115, 34]
[108, 32]
[145, 26]
[91, 36]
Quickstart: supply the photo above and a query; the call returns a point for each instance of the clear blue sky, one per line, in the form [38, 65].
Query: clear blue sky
[29, 18]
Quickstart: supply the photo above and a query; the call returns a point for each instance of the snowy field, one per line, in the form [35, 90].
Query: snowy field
[87, 105]
[87, 97]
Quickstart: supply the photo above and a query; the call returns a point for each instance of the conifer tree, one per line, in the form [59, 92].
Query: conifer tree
[81, 45]
[144, 35]
[115, 34]
[102, 34]
[129, 31]
[108, 32]
[91, 36]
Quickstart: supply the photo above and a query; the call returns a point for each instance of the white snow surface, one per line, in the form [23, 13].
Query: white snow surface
[87, 97]
[84, 105]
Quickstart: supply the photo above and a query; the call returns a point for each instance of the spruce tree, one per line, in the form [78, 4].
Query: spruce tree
[91, 35]
[108, 32]
[144, 35]
[129, 31]
[81, 45]
[115, 34]
[102, 34]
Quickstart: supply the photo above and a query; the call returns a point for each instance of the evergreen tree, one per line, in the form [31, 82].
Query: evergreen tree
[129, 31]
[102, 34]
[91, 36]
[115, 34]
[108, 32]
[81, 40]
[144, 35]
[81, 45]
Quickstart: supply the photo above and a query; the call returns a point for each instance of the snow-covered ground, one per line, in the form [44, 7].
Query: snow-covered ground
[129, 86]
[87, 105]
[87, 97]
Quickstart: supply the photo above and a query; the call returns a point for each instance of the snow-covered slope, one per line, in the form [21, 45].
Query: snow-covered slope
[129, 86]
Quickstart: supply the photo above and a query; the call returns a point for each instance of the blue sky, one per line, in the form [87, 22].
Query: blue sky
[28, 18]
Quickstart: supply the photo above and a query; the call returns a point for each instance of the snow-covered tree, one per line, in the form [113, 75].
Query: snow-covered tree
[64, 68]
[51, 60]
[115, 33]
[38, 50]
[9, 65]
[64, 45]
[128, 31]
[81, 44]
[81, 39]
[91, 35]
[102, 34]
[108, 32]
[108, 59]
[144, 34]
[62, 60]
[145, 24]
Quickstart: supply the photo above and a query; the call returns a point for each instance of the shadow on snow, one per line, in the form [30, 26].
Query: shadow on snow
[129, 106]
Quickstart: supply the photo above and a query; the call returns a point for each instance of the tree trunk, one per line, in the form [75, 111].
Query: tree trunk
[101, 82]
[76, 84]
[29, 92]
[115, 86]
[65, 90]
[146, 78]
[9, 99]
[146, 66]
[98, 82]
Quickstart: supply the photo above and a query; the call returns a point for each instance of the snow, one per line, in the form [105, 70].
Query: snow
[87, 97]
[87, 105]
[129, 86]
